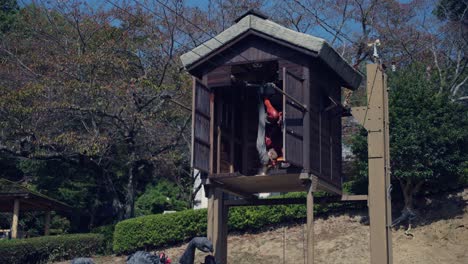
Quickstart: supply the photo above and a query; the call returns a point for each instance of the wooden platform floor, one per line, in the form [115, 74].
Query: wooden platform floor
[277, 182]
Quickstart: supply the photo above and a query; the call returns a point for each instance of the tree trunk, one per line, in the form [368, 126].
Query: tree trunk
[409, 189]
[406, 188]
[130, 196]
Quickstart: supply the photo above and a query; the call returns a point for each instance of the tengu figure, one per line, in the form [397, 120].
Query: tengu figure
[269, 136]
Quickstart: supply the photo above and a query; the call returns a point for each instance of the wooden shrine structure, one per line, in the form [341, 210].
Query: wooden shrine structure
[15, 198]
[308, 75]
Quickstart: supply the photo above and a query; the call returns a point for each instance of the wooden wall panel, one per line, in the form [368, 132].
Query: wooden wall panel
[325, 146]
[219, 77]
[293, 138]
[335, 135]
[201, 127]
[314, 116]
[330, 127]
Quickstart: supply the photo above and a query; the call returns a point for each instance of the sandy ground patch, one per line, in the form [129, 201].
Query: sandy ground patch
[441, 237]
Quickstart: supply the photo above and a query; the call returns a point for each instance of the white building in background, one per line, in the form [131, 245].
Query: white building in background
[200, 199]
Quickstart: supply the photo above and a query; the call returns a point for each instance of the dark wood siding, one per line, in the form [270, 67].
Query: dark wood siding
[254, 48]
[312, 138]
[329, 126]
[293, 115]
[219, 77]
[201, 127]
[335, 134]
[314, 115]
[325, 146]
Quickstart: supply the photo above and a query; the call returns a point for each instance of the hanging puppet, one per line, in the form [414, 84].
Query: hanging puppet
[269, 136]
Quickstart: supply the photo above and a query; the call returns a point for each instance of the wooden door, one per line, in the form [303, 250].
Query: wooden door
[201, 126]
[293, 115]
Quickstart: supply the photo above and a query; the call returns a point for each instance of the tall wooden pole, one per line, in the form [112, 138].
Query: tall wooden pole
[374, 117]
[217, 224]
[14, 223]
[47, 223]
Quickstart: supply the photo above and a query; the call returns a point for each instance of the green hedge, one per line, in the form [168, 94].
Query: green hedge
[157, 230]
[108, 232]
[49, 248]
[153, 231]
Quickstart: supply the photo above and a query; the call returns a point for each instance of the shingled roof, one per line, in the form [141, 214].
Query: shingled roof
[30, 200]
[253, 21]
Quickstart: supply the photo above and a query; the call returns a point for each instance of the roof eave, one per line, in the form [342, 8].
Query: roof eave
[350, 76]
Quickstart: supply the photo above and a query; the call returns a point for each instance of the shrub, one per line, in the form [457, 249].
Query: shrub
[152, 231]
[107, 232]
[158, 230]
[158, 198]
[49, 248]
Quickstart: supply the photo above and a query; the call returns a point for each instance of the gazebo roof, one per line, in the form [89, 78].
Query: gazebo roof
[253, 21]
[30, 200]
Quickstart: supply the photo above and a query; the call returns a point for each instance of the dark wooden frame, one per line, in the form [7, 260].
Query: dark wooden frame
[320, 156]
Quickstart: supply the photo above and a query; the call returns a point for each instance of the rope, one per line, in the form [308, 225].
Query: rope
[284, 244]
[303, 243]
[284, 241]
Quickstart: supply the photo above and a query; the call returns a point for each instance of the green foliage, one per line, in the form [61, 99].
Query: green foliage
[158, 230]
[165, 195]
[87, 123]
[68, 183]
[49, 248]
[32, 224]
[428, 135]
[428, 131]
[8, 12]
[107, 232]
[357, 181]
[154, 231]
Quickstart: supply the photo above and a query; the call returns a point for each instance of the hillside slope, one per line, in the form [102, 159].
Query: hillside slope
[441, 236]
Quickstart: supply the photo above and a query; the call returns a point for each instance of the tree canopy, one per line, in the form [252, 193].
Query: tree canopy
[87, 92]
[428, 136]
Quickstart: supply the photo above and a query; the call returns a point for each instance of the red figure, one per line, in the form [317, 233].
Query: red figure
[273, 133]
[273, 116]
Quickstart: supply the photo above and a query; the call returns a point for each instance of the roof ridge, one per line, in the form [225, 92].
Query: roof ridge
[250, 21]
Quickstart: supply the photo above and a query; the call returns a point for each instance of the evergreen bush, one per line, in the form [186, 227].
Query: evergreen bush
[152, 231]
[49, 248]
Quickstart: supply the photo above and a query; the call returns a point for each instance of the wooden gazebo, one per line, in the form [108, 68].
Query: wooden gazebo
[15, 197]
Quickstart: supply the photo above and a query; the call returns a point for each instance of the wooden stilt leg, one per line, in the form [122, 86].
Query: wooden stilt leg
[310, 225]
[217, 224]
[14, 223]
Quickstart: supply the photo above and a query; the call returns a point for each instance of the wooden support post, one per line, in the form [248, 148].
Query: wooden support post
[47, 223]
[14, 223]
[217, 224]
[374, 118]
[310, 224]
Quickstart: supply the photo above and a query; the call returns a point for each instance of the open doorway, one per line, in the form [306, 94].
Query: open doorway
[248, 121]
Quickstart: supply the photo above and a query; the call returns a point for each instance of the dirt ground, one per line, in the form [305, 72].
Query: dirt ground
[440, 236]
